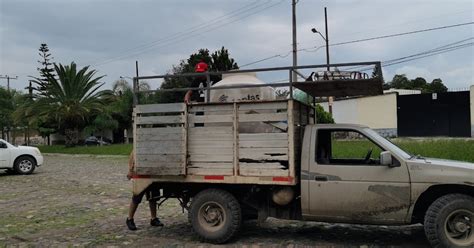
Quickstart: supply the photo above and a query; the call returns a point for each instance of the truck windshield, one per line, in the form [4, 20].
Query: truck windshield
[4, 141]
[387, 143]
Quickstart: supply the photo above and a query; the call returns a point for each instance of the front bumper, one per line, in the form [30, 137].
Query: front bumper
[39, 160]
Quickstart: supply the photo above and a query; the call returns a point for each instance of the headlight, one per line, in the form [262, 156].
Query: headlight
[37, 151]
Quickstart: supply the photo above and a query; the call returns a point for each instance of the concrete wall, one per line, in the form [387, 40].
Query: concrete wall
[472, 110]
[377, 112]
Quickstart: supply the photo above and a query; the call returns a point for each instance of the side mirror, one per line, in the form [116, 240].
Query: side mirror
[3, 145]
[386, 158]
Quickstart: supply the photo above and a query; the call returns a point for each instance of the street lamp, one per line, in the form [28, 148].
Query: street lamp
[325, 38]
[316, 31]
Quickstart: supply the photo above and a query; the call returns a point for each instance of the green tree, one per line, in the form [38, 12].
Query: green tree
[46, 65]
[400, 81]
[436, 86]
[10, 102]
[418, 83]
[7, 107]
[122, 107]
[101, 122]
[71, 100]
[221, 61]
[322, 116]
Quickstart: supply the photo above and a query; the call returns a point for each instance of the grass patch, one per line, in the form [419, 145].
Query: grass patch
[119, 149]
[455, 149]
[354, 149]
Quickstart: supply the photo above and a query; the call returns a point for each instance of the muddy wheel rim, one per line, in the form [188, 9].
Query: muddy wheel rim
[458, 227]
[211, 216]
[25, 165]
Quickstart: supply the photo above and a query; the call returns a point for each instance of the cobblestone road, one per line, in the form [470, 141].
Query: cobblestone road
[83, 201]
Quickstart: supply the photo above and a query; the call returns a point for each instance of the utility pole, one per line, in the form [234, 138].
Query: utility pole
[295, 61]
[330, 99]
[8, 80]
[327, 38]
[8, 89]
[30, 95]
[135, 86]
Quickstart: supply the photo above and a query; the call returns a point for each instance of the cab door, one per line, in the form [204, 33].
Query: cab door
[4, 155]
[346, 182]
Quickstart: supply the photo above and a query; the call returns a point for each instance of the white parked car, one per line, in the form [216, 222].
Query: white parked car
[19, 159]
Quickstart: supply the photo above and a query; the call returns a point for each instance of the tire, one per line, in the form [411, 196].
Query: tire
[24, 165]
[449, 222]
[215, 215]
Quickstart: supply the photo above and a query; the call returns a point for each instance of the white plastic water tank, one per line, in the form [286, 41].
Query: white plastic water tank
[264, 93]
[241, 94]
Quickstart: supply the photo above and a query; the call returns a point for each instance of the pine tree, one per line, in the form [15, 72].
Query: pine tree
[45, 62]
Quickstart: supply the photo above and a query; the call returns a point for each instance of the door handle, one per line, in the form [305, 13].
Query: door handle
[321, 178]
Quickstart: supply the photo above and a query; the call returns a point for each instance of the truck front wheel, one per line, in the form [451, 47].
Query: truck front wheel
[24, 165]
[215, 215]
[449, 221]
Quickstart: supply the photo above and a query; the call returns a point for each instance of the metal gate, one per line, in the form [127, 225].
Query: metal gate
[439, 114]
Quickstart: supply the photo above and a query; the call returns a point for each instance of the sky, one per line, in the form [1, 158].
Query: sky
[110, 35]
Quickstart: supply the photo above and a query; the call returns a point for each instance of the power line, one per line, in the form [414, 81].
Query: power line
[194, 33]
[418, 20]
[420, 55]
[188, 36]
[190, 29]
[363, 40]
[417, 54]
[448, 46]
[428, 53]
[431, 54]
[401, 34]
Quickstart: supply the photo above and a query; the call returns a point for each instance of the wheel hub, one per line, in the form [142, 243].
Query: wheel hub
[212, 216]
[25, 165]
[461, 226]
[458, 227]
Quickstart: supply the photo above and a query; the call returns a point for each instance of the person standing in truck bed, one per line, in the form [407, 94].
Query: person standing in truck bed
[151, 195]
[200, 67]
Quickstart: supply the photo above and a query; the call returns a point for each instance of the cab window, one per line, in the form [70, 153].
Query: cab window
[346, 147]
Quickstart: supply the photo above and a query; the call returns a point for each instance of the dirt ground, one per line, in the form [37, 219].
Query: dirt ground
[83, 200]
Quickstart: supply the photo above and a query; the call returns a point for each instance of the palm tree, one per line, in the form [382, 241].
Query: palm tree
[71, 98]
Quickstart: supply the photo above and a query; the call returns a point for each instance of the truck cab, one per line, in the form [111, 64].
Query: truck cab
[351, 174]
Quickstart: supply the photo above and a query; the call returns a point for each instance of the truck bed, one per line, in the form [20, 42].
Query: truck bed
[243, 143]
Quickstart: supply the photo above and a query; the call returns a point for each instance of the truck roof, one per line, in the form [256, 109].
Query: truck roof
[340, 125]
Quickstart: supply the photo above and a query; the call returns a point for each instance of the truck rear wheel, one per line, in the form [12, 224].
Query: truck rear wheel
[215, 215]
[449, 221]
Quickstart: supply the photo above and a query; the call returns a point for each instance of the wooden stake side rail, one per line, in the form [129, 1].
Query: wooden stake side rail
[245, 142]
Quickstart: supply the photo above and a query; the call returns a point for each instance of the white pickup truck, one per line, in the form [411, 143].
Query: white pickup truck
[19, 159]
